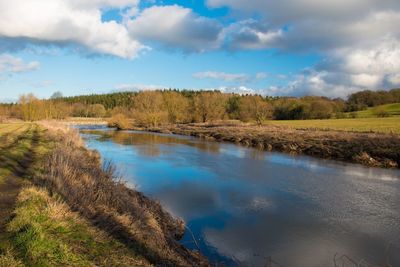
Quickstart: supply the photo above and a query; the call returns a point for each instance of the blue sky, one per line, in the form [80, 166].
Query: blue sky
[254, 46]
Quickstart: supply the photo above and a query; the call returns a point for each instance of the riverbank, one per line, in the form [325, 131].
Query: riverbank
[370, 149]
[67, 210]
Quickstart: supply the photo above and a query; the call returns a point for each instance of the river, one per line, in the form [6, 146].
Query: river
[245, 206]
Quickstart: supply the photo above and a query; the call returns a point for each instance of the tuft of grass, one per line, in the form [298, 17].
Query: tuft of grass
[8, 259]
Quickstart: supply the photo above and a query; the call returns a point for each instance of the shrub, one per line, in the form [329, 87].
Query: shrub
[380, 112]
[340, 115]
[353, 115]
[119, 121]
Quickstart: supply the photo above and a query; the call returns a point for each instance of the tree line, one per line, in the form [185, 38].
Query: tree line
[152, 108]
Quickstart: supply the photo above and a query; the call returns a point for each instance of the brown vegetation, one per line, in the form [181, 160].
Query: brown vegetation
[119, 121]
[154, 108]
[254, 107]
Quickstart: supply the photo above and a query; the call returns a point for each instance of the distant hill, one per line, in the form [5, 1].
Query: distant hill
[387, 110]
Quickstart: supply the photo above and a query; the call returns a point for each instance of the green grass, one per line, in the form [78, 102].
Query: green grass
[380, 125]
[45, 232]
[14, 128]
[15, 140]
[391, 109]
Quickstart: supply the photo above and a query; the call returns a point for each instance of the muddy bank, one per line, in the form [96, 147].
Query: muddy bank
[370, 149]
[96, 192]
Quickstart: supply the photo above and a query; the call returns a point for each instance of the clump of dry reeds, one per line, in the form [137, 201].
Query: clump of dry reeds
[119, 121]
[62, 133]
[76, 174]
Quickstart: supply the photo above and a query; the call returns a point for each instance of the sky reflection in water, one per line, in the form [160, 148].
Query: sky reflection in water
[245, 204]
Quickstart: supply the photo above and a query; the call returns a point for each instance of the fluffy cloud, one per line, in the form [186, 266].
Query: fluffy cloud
[251, 34]
[176, 27]
[11, 64]
[312, 25]
[285, 11]
[242, 90]
[352, 69]
[64, 22]
[78, 22]
[359, 39]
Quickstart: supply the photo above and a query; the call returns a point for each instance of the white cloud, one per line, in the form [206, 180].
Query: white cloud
[104, 3]
[64, 22]
[349, 70]
[288, 11]
[176, 27]
[359, 39]
[366, 80]
[311, 25]
[79, 22]
[11, 64]
[242, 90]
[228, 77]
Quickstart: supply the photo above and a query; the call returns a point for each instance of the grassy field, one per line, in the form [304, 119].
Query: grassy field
[390, 109]
[379, 125]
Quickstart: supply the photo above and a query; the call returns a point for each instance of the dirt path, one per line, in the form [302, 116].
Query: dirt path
[8, 195]
[10, 188]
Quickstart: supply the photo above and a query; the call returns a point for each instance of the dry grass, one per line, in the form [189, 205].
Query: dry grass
[61, 132]
[45, 232]
[376, 125]
[8, 259]
[76, 175]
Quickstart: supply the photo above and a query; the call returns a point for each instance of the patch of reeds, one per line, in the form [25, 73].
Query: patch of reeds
[119, 121]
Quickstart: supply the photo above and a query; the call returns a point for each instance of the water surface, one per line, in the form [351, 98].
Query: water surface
[244, 205]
